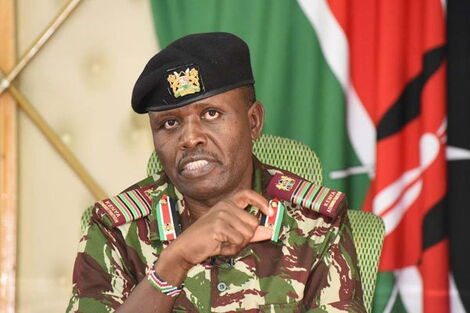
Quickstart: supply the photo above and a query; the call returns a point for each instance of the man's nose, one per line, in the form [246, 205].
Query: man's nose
[192, 135]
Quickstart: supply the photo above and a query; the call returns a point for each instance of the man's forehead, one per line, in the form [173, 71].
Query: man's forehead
[195, 106]
[232, 98]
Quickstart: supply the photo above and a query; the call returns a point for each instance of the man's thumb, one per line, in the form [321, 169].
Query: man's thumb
[262, 233]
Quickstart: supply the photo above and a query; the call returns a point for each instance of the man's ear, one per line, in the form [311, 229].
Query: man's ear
[256, 119]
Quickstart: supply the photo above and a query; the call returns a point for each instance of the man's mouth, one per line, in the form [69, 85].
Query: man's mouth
[196, 166]
[191, 166]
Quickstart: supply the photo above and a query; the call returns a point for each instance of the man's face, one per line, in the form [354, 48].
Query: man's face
[205, 147]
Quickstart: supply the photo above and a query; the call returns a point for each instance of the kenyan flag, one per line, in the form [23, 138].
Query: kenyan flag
[363, 82]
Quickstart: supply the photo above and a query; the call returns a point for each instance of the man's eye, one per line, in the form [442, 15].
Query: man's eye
[169, 124]
[211, 114]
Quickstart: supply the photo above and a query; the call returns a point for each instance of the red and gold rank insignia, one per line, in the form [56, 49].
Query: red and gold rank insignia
[306, 194]
[285, 183]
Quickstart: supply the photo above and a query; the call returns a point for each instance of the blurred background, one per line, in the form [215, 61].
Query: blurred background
[379, 89]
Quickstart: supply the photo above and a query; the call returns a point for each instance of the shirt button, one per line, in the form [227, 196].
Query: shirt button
[221, 286]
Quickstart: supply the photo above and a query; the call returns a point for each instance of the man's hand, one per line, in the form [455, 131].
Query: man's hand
[224, 230]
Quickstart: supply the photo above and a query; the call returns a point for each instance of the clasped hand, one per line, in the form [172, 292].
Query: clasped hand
[224, 230]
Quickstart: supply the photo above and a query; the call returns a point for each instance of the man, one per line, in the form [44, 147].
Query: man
[216, 231]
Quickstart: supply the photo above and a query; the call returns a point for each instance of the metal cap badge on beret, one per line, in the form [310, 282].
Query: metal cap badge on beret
[192, 68]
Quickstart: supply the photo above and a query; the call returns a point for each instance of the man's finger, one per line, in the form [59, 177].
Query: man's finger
[244, 223]
[262, 233]
[229, 235]
[251, 197]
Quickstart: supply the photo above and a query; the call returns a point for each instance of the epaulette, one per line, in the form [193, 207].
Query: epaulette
[127, 206]
[318, 198]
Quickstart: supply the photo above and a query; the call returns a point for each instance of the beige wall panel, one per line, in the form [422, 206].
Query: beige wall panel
[81, 82]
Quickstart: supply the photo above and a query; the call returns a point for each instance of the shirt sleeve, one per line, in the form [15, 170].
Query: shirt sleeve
[100, 280]
[335, 283]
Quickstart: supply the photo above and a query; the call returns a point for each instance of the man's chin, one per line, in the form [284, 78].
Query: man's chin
[203, 193]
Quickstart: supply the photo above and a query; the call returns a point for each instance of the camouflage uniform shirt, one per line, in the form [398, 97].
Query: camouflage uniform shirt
[311, 268]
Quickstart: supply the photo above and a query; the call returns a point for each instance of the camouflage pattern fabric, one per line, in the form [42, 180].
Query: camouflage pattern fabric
[311, 268]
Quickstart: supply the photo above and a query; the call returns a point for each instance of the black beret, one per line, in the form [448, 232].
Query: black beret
[192, 68]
